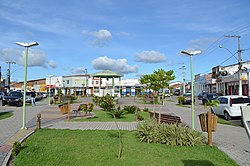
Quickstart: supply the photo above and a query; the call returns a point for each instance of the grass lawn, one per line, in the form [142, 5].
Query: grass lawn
[4, 115]
[102, 116]
[75, 147]
[223, 121]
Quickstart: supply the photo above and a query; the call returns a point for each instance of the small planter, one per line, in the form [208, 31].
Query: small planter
[204, 122]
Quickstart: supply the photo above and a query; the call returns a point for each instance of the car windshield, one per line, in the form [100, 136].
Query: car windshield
[14, 94]
[240, 100]
[187, 94]
[212, 96]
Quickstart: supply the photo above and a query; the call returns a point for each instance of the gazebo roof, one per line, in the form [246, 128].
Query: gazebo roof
[106, 74]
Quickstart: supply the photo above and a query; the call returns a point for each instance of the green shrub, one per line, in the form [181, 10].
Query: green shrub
[170, 134]
[17, 146]
[130, 109]
[181, 99]
[106, 102]
[140, 117]
[96, 99]
[145, 109]
[87, 108]
[117, 113]
[73, 97]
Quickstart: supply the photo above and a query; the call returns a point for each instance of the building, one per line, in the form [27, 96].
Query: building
[38, 84]
[224, 80]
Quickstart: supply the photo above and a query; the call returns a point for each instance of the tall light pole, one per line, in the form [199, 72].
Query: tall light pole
[190, 54]
[26, 45]
[87, 81]
[50, 85]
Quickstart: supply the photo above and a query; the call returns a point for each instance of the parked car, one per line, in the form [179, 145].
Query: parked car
[45, 95]
[177, 92]
[15, 98]
[229, 106]
[39, 96]
[167, 93]
[210, 97]
[1, 95]
[28, 97]
[187, 98]
[202, 95]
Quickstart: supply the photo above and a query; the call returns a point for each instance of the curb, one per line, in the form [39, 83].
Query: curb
[8, 156]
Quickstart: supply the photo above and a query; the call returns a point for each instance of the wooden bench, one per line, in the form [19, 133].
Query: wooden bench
[64, 108]
[169, 118]
[79, 109]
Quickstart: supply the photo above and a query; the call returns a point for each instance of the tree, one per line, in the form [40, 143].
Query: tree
[211, 103]
[157, 80]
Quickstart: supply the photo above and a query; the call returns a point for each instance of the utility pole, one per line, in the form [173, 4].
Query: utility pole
[8, 85]
[87, 81]
[183, 77]
[239, 61]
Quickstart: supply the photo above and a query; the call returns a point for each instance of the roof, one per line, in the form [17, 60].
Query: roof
[106, 74]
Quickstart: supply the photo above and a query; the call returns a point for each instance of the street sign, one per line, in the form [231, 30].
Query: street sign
[245, 115]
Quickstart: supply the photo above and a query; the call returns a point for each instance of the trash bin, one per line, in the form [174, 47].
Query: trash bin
[204, 121]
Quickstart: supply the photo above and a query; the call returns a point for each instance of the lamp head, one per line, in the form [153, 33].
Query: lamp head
[27, 44]
[190, 53]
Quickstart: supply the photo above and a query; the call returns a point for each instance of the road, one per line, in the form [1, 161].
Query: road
[10, 126]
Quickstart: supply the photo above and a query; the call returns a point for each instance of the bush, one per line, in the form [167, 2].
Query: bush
[131, 109]
[145, 109]
[117, 113]
[73, 97]
[87, 108]
[181, 99]
[106, 102]
[140, 117]
[17, 146]
[152, 132]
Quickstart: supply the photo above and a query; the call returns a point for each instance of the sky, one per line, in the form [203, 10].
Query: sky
[132, 38]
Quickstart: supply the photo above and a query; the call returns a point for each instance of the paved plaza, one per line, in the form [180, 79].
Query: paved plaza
[231, 139]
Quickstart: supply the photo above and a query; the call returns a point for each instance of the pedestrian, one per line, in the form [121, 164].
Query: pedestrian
[33, 97]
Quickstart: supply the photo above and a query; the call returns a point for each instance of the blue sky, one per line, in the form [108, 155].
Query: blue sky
[130, 37]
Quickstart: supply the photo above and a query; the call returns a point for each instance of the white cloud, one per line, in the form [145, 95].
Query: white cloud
[52, 64]
[79, 70]
[35, 57]
[150, 57]
[116, 65]
[102, 37]
[127, 34]
[9, 54]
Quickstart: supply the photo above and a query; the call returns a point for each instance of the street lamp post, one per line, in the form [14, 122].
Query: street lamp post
[50, 86]
[26, 45]
[190, 54]
[87, 81]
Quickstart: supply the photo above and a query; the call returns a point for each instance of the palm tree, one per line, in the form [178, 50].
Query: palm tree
[210, 104]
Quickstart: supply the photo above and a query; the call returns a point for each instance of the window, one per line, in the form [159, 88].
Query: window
[240, 100]
[67, 81]
[223, 100]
